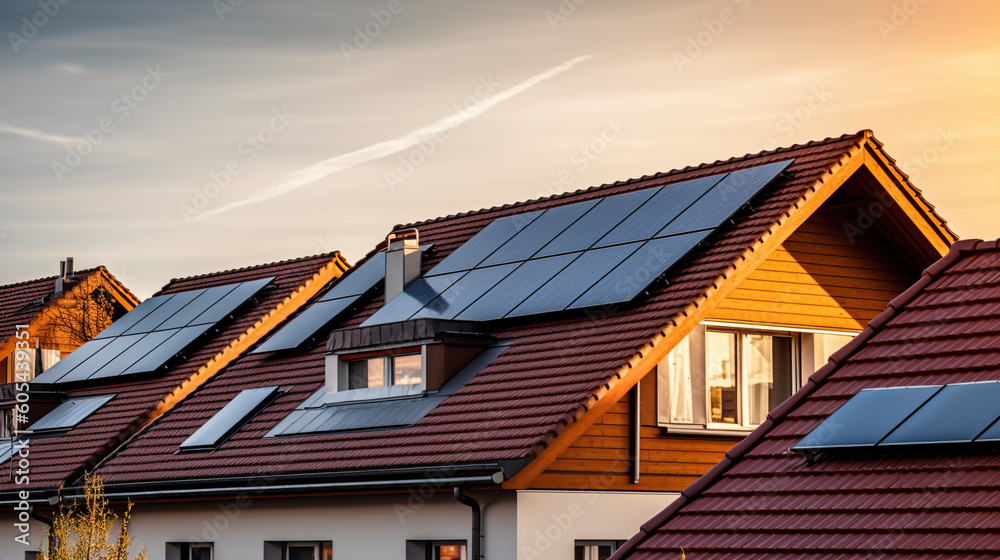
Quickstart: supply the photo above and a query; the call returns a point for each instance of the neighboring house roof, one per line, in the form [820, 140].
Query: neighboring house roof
[917, 501]
[561, 371]
[60, 460]
[23, 302]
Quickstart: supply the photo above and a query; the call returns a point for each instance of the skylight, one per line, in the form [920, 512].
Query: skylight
[231, 418]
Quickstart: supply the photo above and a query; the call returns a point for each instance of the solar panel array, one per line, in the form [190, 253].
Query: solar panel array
[586, 254]
[230, 418]
[344, 293]
[932, 414]
[69, 414]
[148, 336]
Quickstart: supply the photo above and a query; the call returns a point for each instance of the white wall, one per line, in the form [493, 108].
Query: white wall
[549, 523]
[360, 526]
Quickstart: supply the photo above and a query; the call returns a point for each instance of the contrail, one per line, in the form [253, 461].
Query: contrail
[332, 165]
[38, 134]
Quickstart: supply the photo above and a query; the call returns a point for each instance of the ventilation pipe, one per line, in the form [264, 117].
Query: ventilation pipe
[402, 261]
[475, 549]
[69, 267]
[59, 279]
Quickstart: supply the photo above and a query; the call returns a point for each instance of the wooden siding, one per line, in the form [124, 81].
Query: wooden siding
[819, 278]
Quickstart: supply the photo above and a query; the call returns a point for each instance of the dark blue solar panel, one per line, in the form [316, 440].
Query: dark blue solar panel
[639, 270]
[574, 280]
[957, 414]
[228, 304]
[473, 251]
[137, 314]
[109, 352]
[171, 305]
[69, 363]
[991, 434]
[127, 358]
[167, 349]
[515, 288]
[413, 298]
[359, 280]
[460, 295]
[230, 418]
[204, 299]
[867, 418]
[305, 325]
[725, 198]
[659, 211]
[601, 219]
[69, 414]
[539, 233]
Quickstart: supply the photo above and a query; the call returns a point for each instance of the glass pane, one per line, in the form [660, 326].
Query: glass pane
[760, 376]
[364, 374]
[201, 553]
[593, 551]
[449, 552]
[301, 553]
[406, 370]
[721, 375]
[677, 366]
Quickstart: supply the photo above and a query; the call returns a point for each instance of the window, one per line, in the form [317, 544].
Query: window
[190, 551]
[6, 423]
[298, 550]
[403, 369]
[726, 378]
[596, 550]
[435, 550]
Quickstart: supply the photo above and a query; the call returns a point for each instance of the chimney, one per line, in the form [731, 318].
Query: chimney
[59, 279]
[402, 261]
[69, 267]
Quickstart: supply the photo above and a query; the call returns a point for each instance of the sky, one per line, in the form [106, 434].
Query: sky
[164, 139]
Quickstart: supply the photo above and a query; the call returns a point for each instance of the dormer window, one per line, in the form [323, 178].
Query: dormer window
[405, 369]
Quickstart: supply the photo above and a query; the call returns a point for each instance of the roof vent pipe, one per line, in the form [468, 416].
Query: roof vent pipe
[69, 267]
[402, 261]
[59, 279]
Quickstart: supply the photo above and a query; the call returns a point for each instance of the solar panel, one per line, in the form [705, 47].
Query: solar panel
[69, 414]
[151, 334]
[230, 418]
[305, 325]
[357, 281]
[538, 233]
[604, 217]
[867, 418]
[662, 208]
[958, 413]
[482, 245]
[460, 295]
[618, 245]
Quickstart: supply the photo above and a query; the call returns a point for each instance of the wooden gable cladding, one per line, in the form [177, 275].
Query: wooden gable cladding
[601, 459]
[822, 276]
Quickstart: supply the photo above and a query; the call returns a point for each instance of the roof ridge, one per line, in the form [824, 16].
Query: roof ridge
[328, 255]
[864, 133]
[958, 250]
[50, 278]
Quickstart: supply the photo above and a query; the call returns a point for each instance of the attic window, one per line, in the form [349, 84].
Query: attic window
[405, 369]
[230, 419]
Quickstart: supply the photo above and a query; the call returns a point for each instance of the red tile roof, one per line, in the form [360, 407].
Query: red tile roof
[763, 501]
[20, 303]
[518, 403]
[58, 460]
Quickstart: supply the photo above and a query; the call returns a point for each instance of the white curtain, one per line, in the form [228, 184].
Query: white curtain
[677, 374]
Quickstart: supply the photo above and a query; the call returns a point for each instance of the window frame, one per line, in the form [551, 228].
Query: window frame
[614, 544]
[425, 549]
[338, 376]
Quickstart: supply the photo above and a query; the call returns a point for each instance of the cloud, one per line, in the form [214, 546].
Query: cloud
[70, 68]
[37, 134]
[322, 169]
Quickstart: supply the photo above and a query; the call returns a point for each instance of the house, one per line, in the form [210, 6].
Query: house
[532, 380]
[890, 449]
[87, 404]
[48, 318]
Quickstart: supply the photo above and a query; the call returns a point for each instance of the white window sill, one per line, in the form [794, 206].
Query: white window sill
[695, 430]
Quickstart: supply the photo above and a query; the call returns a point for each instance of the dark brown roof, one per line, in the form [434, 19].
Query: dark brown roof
[522, 400]
[930, 502]
[58, 460]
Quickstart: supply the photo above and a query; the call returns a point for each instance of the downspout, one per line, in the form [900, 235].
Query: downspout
[477, 524]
